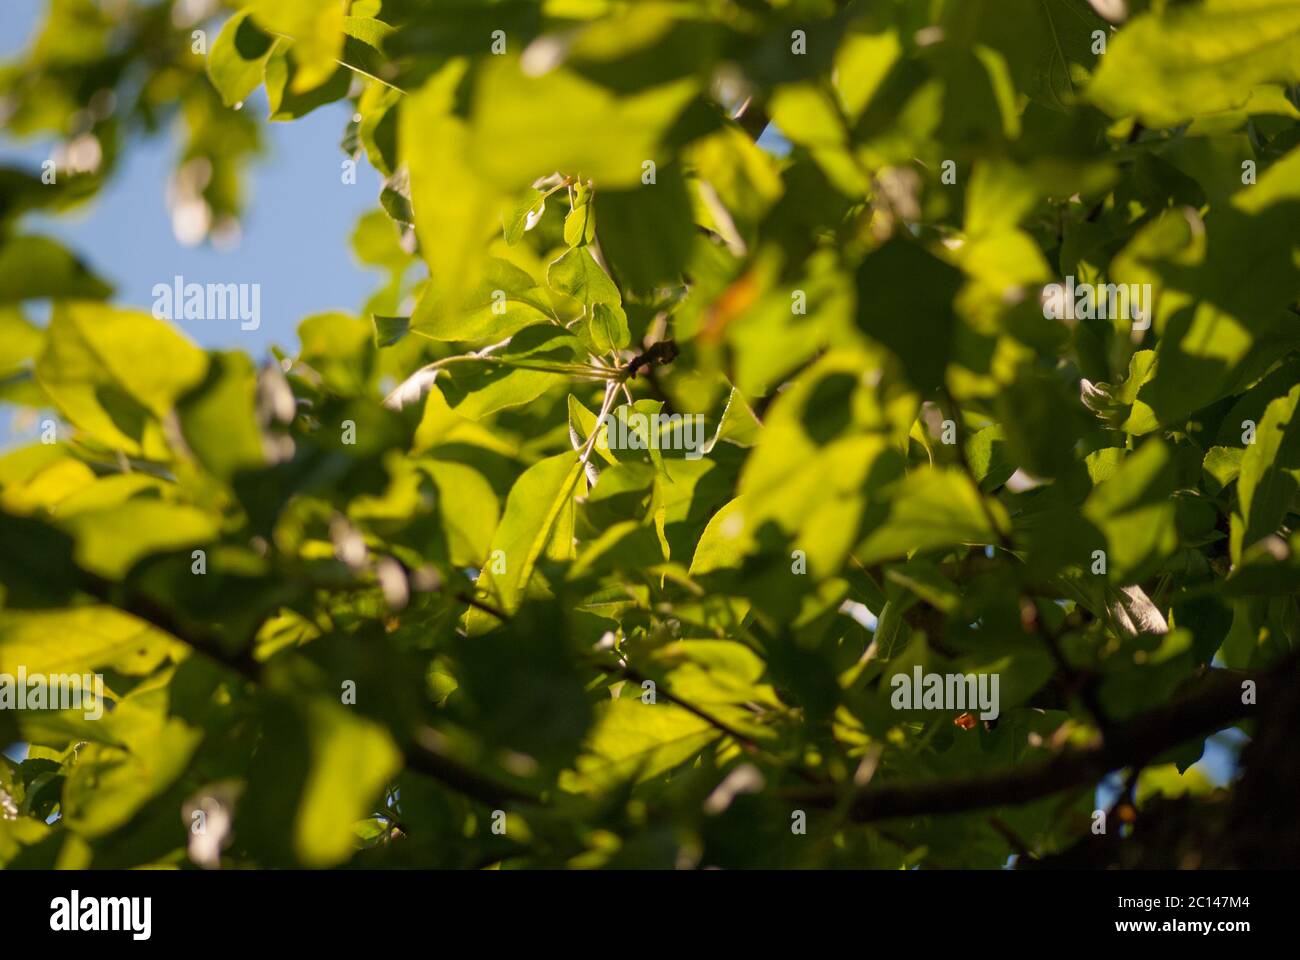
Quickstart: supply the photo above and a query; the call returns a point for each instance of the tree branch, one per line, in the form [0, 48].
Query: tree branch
[421, 753]
[1217, 705]
[752, 118]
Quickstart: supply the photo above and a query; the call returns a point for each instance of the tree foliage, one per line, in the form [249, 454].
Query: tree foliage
[391, 598]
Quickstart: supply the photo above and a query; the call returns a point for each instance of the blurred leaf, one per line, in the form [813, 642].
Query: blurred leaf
[79, 641]
[317, 33]
[36, 565]
[35, 267]
[435, 145]
[584, 129]
[110, 542]
[1168, 66]
[110, 370]
[219, 417]
[526, 692]
[926, 302]
[646, 232]
[340, 348]
[238, 58]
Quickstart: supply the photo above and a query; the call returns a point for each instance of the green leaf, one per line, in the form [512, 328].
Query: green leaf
[110, 542]
[933, 508]
[390, 330]
[316, 30]
[622, 493]
[112, 782]
[523, 216]
[1222, 465]
[109, 371]
[368, 30]
[578, 275]
[376, 242]
[451, 223]
[219, 417]
[289, 97]
[646, 232]
[609, 327]
[536, 359]
[504, 301]
[79, 640]
[35, 267]
[341, 348]
[36, 566]
[722, 544]
[807, 114]
[989, 462]
[378, 128]
[537, 506]
[469, 510]
[525, 691]
[20, 833]
[351, 760]
[580, 224]
[1134, 511]
[21, 191]
[584, 129]
[723, 677]
[1190, 60]
[1270, 474]
[739, 424]
[238, 58]
[921, 340]
[318, 770]
[635, 741]
[20, 341]
[814, 464]
[626, 547]
[1045, 47]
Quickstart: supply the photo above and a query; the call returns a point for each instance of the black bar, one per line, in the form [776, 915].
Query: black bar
[495, 910]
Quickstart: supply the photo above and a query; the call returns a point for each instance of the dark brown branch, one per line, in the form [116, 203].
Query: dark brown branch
[1083, 683]
[1215, 705]
[471, 601]
[424, 756]
[145, 608]
[657, 354]
[753, 119]
[1138, 740]
[1011, 837]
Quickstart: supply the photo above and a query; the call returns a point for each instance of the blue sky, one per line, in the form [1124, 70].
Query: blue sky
[295, 231]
